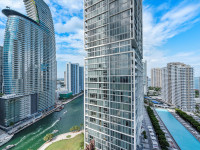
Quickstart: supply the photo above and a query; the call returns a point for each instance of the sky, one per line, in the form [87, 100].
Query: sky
[171, 31]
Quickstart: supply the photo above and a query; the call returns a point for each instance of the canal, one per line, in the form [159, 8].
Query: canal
[182, 136]
[32, 137]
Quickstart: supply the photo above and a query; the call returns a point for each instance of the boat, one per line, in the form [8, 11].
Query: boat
[6, 139]
[9, 147]
[60, 108]
[54, 131]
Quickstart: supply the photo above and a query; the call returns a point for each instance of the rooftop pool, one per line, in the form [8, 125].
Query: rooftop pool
[182, 136]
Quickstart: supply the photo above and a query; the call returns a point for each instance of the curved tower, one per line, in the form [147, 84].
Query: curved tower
[29, 65]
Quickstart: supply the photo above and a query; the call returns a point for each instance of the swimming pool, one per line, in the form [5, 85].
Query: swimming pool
[182, 136]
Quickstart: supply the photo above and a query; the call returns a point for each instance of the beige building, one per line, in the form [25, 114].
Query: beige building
[178, 86]
[156, 77]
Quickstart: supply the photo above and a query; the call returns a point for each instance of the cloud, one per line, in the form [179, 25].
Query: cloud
[74, 24]
[73, 6]
[158, 31]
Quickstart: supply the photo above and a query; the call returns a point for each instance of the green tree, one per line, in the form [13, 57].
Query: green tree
[81, 125]
[48, 137]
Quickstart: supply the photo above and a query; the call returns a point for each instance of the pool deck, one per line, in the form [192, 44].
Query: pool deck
[163, 125]
[147, 122]
[186, 125]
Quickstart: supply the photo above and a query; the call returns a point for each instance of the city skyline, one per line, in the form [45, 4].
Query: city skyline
[100, 74]
[169, 47]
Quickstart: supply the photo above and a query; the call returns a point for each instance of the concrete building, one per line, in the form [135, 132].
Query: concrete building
[113, 73]
[1, 69]
[145, 78]
[74, 77]
[156, 77]
[178, 86]
[164, 89]
[29, 64]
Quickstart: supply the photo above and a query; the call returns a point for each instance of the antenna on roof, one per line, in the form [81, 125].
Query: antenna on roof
[7, 7]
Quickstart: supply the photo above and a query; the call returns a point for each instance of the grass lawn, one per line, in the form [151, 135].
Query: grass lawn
[70, 144]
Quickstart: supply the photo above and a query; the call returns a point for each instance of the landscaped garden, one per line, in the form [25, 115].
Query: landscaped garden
[76, 143]
[160, 134]
[189, 119]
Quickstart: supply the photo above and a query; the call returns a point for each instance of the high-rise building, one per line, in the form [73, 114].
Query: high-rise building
[156, 77]
[113, 73]
[145, 78]
[29, 64]
[1, 69]
[197, 83]
[164, 89]
[81, 78]
[178, 86]
[74, 78]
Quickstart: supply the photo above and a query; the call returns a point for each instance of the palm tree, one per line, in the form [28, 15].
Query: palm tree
[81, 125]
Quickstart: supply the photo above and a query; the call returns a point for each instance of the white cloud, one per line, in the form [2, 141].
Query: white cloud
[13, 4]
[157, 32]
[71, 5]
[74, 24]
[71, 58]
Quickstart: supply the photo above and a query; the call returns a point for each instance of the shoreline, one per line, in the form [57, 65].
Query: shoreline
[42, 117]
[59, 138]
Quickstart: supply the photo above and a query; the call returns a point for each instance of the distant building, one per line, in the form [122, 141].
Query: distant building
[164, 89]
[145, 78]
[149, 81]
[81, 78]
[1, 69]
[156, 77]
[197, 83]
[178, 86]
[74, 77]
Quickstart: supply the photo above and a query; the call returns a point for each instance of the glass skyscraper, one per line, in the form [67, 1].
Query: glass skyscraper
[113, 73]
[74, 78]
[29, 63]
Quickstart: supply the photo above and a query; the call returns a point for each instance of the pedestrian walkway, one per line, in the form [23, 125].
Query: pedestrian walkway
[58, 138]
[148, 126]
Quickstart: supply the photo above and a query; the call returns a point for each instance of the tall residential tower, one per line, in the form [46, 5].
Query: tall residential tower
[178, 86]
[1, 69]
[74, 78]
[29, 64]
[156, 77]
[113, 73]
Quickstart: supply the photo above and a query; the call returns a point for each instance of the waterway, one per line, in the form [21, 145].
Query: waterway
[32, 137]
[182, 136]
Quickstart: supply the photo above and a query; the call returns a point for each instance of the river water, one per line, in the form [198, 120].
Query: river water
[32, 137]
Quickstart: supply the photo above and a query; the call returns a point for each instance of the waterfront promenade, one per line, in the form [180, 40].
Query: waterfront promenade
[58, 138]
[25, 124]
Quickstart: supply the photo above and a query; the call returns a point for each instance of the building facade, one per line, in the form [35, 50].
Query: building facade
[145, 78]
[81, 78]
[179, 86]
[113, 73]
[164, 90]
[156, 77]
[29, 64]
[74, 78]
[1, 69]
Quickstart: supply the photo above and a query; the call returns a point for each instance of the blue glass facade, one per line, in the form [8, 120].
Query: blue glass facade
[29, 62]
